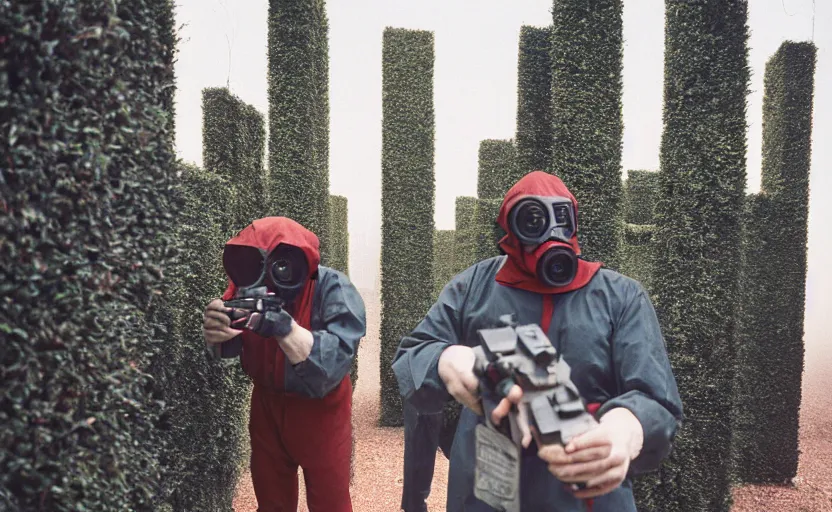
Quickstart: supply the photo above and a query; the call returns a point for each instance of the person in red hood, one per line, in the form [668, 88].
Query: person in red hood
[603, 325]
[299, 360]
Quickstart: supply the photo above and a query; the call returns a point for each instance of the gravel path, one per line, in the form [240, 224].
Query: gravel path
[378, 471]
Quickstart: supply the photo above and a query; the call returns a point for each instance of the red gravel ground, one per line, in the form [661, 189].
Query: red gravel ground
[378, 472]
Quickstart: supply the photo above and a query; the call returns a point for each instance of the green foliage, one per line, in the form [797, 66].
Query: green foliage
[299, 115]
[339, 251]
[233, 146]
[465, 237]
[407, 198]
[208, 400]
[637, 253]
[587, 124]
[534, 100]
[86, 91]
[641, 191]
[776, 231]
[697, 241]
[488, 232]
[443, 259]
[497, 170]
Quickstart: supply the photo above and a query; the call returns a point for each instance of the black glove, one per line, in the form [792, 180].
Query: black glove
[271, 323]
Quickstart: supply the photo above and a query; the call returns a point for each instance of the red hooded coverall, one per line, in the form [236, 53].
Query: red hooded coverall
[289, 429]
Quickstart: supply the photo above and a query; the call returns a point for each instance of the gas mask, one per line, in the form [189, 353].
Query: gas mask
[549, 224]
[283, 271]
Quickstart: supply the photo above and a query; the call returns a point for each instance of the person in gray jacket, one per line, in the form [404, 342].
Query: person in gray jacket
[601, 322]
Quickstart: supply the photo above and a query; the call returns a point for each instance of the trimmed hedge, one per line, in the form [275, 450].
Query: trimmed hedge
[233, 146]
[489, 233]
[637, 253]
[697, 240]
[299, 115]
[339, 251]
[497, 170]
[534, 100]
[641, 191]
[443, 259]
[88, 161]
[407, 198]
[587, 124]
[776, 302]
[465, 234]
[208, 400]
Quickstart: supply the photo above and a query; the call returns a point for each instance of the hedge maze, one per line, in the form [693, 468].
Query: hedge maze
[534, 100]
[407, 197]
[770, 342]
[299, 115]
[697, 240]
[587, 123]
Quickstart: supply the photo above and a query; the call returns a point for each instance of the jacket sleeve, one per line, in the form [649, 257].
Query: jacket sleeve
[335, 345]
[646, 384]
[416, 361]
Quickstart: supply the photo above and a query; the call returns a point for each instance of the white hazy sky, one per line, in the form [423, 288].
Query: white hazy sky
[224, 42]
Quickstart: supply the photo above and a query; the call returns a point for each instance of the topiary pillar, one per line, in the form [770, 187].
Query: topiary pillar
[587, 122]
[497, 170]
[465, 234]
[207, 396]
[489, 233]
[771, 351]
[443, 259]
[339, 254]
[87, 168]
[407, 198]
[641, 191]
[534, 100]
[233, 146]
[702, 185]
[299, 115]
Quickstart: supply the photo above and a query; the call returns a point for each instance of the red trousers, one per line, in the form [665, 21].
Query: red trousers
[288, 431]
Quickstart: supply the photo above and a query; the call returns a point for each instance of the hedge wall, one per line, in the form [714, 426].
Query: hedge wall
[641, 191]
[339, 250]
[497, 170]
[465, 234]
[587, 123]
[637, 253]
[87, 153]
[489, 232]
[299, 115]
[702, 183]
[443, 259]
[534, 100]
[407, 197]
[777, 302]
[208, 400]
[233, 146]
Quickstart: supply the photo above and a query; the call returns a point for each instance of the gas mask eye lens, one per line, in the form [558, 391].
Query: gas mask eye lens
[532, 219]
[561, 214]
[282, 271]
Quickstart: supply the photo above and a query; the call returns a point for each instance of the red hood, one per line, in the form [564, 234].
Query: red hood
[516, 272]
[269, 232]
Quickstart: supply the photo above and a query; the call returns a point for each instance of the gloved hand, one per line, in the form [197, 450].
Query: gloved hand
[272, 323]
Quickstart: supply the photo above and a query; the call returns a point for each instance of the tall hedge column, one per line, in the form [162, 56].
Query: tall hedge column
[299, 114]
[465, 234]
[771, 351]
[587, 122]
[534, 100]
[640, 195]
[702, 182]
[233, 147]
[407, 198]
[87, 168]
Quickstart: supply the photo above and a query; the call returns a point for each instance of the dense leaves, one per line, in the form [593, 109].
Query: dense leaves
[489, 233]
[339, 251]
[702, 181]
[641, 191]
[534, 100]
[233, 146]
[407, 198]
[497, 170]
[208, 400]
[86, 92]
[299, 115]
[443, 259]
[770, 346]
[465, 234]
[587, 124]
